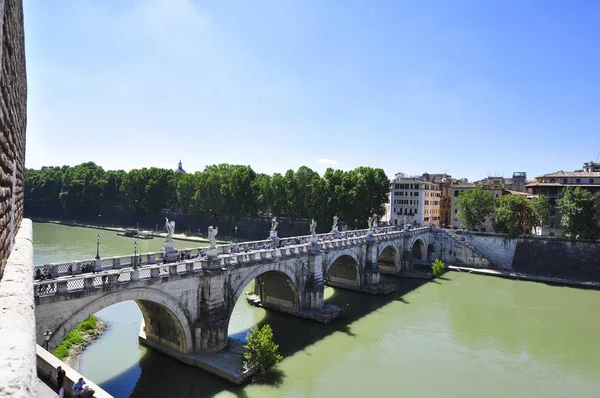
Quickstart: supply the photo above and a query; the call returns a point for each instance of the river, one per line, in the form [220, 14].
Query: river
[461, 336]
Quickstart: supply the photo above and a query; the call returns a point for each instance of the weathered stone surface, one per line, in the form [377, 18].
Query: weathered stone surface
[17, 320]
[13, 117]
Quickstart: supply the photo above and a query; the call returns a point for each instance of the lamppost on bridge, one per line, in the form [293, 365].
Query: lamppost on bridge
[47, 335]
[98, 247]
[355, 224]
[235, 228]
[134, 254]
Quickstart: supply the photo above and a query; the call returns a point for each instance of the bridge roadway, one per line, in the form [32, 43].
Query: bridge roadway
[186, 305]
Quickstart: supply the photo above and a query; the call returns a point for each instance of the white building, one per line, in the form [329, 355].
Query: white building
[415, 198]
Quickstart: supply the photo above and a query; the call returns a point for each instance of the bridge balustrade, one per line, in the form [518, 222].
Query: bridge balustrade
[227, 257]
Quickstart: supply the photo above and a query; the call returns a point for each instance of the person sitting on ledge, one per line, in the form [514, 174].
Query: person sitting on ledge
[87, 392]
[78, 387]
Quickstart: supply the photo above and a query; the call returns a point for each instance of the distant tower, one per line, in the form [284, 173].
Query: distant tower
[180, 168]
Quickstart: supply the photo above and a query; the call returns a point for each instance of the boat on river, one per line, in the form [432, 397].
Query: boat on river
[135, 233]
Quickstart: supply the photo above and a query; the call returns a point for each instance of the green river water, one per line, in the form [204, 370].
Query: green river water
[462, 336]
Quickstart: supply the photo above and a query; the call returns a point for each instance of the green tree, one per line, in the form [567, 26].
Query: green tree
[515, 216]
[578, 210]
[474, 206]
[438, 267]
[261, 351]
[538, 207]
[512, 215]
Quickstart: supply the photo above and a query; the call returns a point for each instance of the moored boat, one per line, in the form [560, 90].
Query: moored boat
[134, 233]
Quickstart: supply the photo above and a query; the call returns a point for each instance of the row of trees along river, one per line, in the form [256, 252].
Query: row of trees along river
[219, 192]
[515, 215]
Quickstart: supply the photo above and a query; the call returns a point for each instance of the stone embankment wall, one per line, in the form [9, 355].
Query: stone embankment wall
[17, 319]
[451, 249]
[558, 258]
[538, 255]
[497, 248]
[13, 118]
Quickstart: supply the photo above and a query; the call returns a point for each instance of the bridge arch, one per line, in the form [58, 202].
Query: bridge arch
[344, 270]
[388, 256]
[278, 287]
[418, 248]
[165, 320]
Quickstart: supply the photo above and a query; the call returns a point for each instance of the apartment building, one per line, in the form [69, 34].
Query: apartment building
[416, 198]
[552, 186]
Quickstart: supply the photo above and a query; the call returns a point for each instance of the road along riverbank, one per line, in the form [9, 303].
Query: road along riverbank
[182, 237]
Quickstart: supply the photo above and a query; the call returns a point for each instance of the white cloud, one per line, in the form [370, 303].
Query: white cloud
[327, 161]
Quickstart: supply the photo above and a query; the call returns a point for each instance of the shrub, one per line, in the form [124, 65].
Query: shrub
[438, 267]
[75, 337]
[261, 351]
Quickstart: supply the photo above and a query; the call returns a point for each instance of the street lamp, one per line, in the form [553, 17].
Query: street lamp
[135, 254]
[47, 335]
[235, 233]
[98, 247]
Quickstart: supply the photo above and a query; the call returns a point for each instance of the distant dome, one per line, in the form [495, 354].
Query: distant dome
[180, 168]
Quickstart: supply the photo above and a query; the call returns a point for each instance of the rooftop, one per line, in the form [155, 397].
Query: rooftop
[573, 174]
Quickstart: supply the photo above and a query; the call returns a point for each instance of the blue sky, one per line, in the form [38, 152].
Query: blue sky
[472, 88]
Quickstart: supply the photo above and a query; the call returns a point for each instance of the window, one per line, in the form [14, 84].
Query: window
[551, 225]
[565, 180]
[552, 213]
[578, 181]
[591, 180]
[455, 211]
[456, 193]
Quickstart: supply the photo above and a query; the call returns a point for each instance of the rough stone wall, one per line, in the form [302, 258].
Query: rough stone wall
[537, 255]
[558, 258]
[13, 120]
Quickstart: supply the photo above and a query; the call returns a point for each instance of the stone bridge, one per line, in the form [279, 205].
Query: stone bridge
[187, 304]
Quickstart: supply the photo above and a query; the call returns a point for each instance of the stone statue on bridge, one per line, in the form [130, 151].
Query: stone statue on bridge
[313, 227]
[372, 222]
[406, 224]
[334, 228]
[170, 226]
[274, 225]
[212, 237]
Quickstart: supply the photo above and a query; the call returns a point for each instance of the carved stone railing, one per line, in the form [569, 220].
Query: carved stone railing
[239, 256]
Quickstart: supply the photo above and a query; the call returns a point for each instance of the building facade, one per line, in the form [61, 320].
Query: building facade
[552, 186]
[415, 199]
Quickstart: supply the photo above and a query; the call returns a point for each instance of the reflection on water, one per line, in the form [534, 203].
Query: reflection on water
[465, 336]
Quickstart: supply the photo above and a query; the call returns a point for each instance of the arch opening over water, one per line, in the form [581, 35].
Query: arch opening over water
[165, 321]
[388, 258]
[270, 289]
[344, 272]
[419, 251]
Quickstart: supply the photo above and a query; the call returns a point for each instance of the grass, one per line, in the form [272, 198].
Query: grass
[76, 337]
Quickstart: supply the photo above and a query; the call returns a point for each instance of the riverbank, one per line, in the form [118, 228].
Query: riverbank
[527, 277]
[71, 348]
[182, 237]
